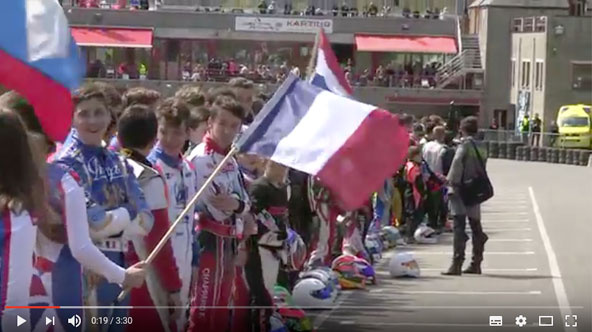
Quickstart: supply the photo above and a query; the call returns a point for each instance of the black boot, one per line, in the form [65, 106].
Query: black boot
[454, 269]
[459, 242]
[479, 239]
[474, 268]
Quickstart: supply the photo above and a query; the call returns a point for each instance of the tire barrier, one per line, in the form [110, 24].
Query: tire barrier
[543, 154]
[576, 157]
[554, 156]
[561, 159]
[512, 150]
[493, 149]
[503, 150]
[569, 154]
[526, 153]
[534, 153]
[584, 157]
[520, 152]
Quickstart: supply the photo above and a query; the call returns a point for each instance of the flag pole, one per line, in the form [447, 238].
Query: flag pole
[313, 56]
[181, 216]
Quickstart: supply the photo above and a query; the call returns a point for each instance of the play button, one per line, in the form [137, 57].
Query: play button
[20, 320]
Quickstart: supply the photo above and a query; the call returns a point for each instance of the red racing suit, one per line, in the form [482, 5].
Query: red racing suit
[219, 233]
[163, 274]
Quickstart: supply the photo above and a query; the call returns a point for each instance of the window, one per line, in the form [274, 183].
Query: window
[540, 24]
[538, 74]
[513, 72]
[517, 25]
[525, 75]
[528, 24]
[581, 74]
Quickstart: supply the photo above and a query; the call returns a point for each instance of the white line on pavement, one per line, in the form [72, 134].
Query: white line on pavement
[558, 286]
[422, 253]
[534, 269]
[516, 221]
[509, 240]
[320, 319]
[521, 229]
[485, 213]
[439, 292]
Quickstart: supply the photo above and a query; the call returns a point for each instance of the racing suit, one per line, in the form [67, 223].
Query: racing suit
[265, 251]
[18, 239]
[116, 211]
[163, 275]
[219, 235]
[58, 279]
[327, 212]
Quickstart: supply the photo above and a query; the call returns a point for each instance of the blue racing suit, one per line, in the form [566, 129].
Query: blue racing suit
[116, 210]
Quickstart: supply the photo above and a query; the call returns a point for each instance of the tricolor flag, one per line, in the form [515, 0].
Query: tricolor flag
[40, 60]
[328, 74]
[350, 146]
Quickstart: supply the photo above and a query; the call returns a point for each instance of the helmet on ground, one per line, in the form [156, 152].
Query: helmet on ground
[282, 297]
[296, 251]
[296, 320]
[276, 323]
[331, 275]
[393, 235]
[426, 235]
[366, 269]
[374, 247]
[403, 264]
[323, 276]
[348, 272]
[312, 293]
[385, 240]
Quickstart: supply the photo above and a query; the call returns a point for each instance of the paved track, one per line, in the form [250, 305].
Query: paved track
[538, 262]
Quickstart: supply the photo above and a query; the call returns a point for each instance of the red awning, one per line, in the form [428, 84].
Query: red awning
[408, 44]
[113, 37]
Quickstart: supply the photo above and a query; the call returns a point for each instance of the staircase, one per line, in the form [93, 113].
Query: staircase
[466, 62]
[471, 42]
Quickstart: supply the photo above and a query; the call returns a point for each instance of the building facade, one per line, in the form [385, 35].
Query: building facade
[550, 65]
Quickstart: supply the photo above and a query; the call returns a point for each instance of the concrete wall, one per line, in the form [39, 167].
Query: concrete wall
[574, 45]
[415, 101]
[203, 25]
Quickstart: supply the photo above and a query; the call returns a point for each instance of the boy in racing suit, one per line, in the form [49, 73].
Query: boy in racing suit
[181, 181]
[137, 132]
[220, 210]
[116, 207]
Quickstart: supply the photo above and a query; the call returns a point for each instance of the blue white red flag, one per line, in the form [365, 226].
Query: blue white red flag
[350, 146]
[40, 60]
[328, 74]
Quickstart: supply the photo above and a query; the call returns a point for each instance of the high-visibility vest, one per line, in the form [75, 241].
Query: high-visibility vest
[525, 125]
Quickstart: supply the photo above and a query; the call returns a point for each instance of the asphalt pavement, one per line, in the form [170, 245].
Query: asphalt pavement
[538, 265]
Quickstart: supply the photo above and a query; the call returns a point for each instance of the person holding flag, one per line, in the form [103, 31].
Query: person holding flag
[221, 213]
[116, 207]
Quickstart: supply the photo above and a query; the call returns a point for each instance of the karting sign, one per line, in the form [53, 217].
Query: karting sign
[276, 24]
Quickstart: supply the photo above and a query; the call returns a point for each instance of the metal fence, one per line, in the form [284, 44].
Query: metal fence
[545, 139]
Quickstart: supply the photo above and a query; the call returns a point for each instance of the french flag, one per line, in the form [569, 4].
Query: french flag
[328, 74]
[350, 146]
[40, 60]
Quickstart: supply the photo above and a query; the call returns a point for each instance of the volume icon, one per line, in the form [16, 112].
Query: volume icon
[75, 321]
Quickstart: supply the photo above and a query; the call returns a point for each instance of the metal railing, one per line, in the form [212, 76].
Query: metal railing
[544, 139]
[465, 60]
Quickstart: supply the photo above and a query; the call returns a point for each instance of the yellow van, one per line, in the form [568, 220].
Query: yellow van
[575, 126]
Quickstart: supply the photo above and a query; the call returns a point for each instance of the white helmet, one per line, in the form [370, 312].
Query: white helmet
[425, 234]
[323, 276]
[393, 235]
[331, 275]
[403, 264]
[311, 293]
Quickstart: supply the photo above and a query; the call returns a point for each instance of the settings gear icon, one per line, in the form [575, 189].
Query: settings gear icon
[521, 321]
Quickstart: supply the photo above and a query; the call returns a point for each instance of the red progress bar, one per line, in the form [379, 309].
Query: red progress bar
[32, 307]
